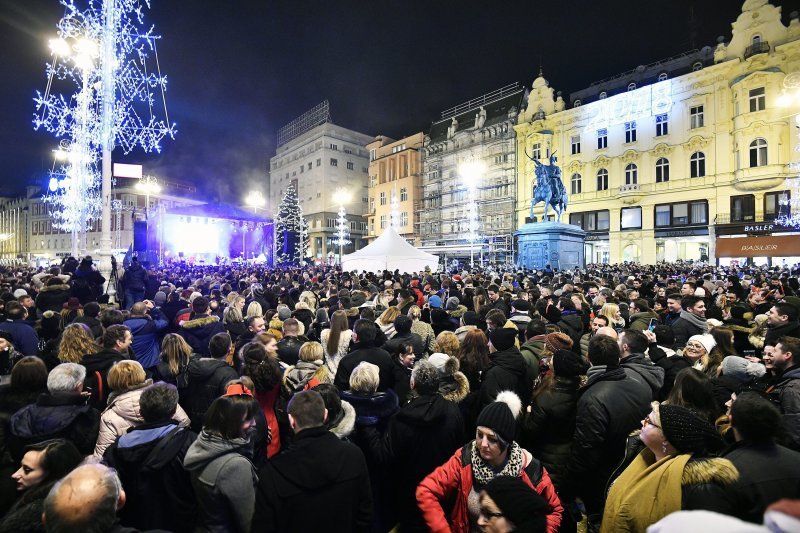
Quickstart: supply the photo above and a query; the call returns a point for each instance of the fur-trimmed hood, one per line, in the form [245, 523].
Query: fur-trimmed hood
[458, 312]
[344, 427]
[200, 322]
[699, 471]
[54, 288]
[454, 387]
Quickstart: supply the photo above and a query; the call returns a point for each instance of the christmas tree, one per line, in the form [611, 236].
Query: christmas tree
[291, 230]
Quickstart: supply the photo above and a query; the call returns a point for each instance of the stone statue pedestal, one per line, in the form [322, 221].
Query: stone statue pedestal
[555, 243]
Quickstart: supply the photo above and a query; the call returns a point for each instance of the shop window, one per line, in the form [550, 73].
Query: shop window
[743, 208]
[776, 203]
[631, 218]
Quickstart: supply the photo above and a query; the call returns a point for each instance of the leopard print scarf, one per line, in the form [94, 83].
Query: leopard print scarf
[482, 472]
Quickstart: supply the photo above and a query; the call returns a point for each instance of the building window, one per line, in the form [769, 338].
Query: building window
[383, 198]
[350, 165]
[603, 95]
[662, 125]
[631, 174]
[331, 223]
[681, 214]
[383, 221]
[697, 165]
[536, 151]
[662, 170]
[602, 138]
[631, 86]
[309, 166]
[577, 103]
[758, 99]
[403, 194]
[696, 117]
[302, 168]
[319, 162]
[630, 132]
[630, 218]
[334, 146]
[591, 220]
[602, 180]
[743, 208]
[576, 183]
[776, 203]
[663, 76]
[404, 219]
[758, 153]
[334, 162]
[576, 144]
[663, 215]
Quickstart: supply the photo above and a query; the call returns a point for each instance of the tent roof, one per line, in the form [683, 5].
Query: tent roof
[391, 244]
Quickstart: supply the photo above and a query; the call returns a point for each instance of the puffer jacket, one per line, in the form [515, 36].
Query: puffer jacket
[548, 429]
[532, 350]
[507, 371]
[198, 332]
[453, 481]
[53, 298]
[122, 413]
[135, 277]
[203, 382]
[572, 324]
[146, 335]
[223, 479]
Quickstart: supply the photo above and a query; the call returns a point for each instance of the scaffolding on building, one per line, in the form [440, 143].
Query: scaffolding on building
[487, 98]
[319, 114]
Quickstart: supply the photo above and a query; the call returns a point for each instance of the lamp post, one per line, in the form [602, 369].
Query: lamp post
[341, 197]
[471, 173]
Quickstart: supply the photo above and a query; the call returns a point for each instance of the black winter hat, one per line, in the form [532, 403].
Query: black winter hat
[503, 338]
[552, 314]
[521, 305]
[498, 417]
[520, 504]
[686, 431]
[568, 364]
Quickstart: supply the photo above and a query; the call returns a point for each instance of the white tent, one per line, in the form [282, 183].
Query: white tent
[389, 252]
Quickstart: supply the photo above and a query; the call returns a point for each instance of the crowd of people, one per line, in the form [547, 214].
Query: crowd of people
[243, 398]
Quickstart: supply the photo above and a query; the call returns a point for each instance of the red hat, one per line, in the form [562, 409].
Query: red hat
[73, 304]
[237, 389]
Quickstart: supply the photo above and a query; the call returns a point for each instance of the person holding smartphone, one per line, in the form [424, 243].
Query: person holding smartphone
[641, 315]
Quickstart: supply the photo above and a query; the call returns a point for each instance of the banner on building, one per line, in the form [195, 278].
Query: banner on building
[775, 246]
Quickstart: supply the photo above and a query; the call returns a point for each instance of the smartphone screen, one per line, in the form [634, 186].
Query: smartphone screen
[652, 325]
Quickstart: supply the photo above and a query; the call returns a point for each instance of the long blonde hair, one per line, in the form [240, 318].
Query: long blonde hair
[254, 309]
[175, 352]
[76, 342]
[388, 316]
[610, 311]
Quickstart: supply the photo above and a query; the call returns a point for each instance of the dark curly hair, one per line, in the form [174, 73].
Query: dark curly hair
[260, 367]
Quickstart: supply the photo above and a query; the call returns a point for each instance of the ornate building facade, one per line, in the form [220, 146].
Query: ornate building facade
[663, 160]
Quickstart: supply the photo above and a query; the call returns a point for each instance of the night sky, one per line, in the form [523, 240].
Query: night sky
[238, 70]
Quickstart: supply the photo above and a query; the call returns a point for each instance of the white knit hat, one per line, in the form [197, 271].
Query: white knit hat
[705, 339]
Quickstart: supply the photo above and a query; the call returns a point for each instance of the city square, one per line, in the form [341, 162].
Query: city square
[275, 267]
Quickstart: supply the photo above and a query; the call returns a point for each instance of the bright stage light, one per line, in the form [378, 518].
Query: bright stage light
[60, 47]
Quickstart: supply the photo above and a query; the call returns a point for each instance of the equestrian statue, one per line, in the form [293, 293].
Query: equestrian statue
[549, 188]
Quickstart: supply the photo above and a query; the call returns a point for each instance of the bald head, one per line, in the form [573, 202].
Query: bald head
[86, 499]
[139, 309]
[608, 331]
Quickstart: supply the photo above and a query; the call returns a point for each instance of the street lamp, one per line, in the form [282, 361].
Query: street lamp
[255, 200]
[342, 197]
[471, 173]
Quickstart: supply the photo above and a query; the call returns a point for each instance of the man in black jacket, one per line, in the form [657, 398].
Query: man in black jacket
[692, 320]
[767, 472]
[632, 345]
[662, 353]
[610, 406]
[781, 322]
[318, 483]
[364, 334]
[149, 461]
[419, 438]
[206, 379]
[117, 340]
[404, 335]
[197, 331]
[289, 346]
[507, 368]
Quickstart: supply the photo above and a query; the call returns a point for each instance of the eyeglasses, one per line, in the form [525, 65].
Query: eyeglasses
[488, 514]
[648, 422]
[695, 345]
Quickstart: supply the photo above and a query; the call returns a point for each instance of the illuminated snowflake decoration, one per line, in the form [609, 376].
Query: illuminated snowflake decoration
[342, 230]
[112, 95]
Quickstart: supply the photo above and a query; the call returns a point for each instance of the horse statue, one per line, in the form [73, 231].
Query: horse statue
[549, 188]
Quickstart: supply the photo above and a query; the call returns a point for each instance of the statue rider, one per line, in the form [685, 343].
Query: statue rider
[556, 185]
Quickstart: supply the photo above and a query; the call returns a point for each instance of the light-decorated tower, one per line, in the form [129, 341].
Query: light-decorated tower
[291, 230]
[105, 59]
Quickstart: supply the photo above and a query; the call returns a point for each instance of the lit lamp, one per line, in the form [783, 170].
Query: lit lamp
[341, 197]
[471, 173]
[255, 200]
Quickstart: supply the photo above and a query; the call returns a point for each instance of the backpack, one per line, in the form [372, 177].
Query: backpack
[99, 389]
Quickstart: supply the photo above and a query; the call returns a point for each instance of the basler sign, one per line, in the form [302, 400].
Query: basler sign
[773, 246]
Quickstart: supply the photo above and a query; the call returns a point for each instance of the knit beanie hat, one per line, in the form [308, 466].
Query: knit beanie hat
[741, 369]
[160, 298]
[435, 301]
[552, 314]
[558, 341]
[20, 292]
[519, 503]
[500, 416]
[284, 313]
[568, 364]
[705, 339]
[452, 303]
[686, 431]
[439, 360]
[503, 338]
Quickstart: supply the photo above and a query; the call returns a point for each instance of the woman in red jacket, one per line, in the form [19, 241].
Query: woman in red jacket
[492, 453]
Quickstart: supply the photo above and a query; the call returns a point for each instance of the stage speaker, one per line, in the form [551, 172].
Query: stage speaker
[139, 236]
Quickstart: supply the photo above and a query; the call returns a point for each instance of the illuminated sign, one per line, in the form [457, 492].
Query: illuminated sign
[648, 101]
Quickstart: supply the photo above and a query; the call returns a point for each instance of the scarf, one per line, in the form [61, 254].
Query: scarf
[695, 320]
[482, 472]
[645, 492]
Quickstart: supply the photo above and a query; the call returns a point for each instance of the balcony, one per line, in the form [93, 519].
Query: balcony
[631, 194]
[761, 47]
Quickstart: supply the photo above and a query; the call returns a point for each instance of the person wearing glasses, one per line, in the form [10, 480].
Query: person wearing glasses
[492, 454]
[675, 471]
[508, 504]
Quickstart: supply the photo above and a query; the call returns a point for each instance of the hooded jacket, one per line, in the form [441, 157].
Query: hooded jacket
[149, 461]
[146, 332]
[572, 324]
[507, 370]
[53, 297]
[123, 413]
[198, 332]
[639, 367]
[135, 278]
[532, 350]
[59, 415]
[787, 392]
[204, 381]
[420, 437]
[318, 483]
[671, 362]
[223, 479]
[774, 333]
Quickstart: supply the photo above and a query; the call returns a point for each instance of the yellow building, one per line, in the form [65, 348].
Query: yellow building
[394, 185]
[663, 160]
